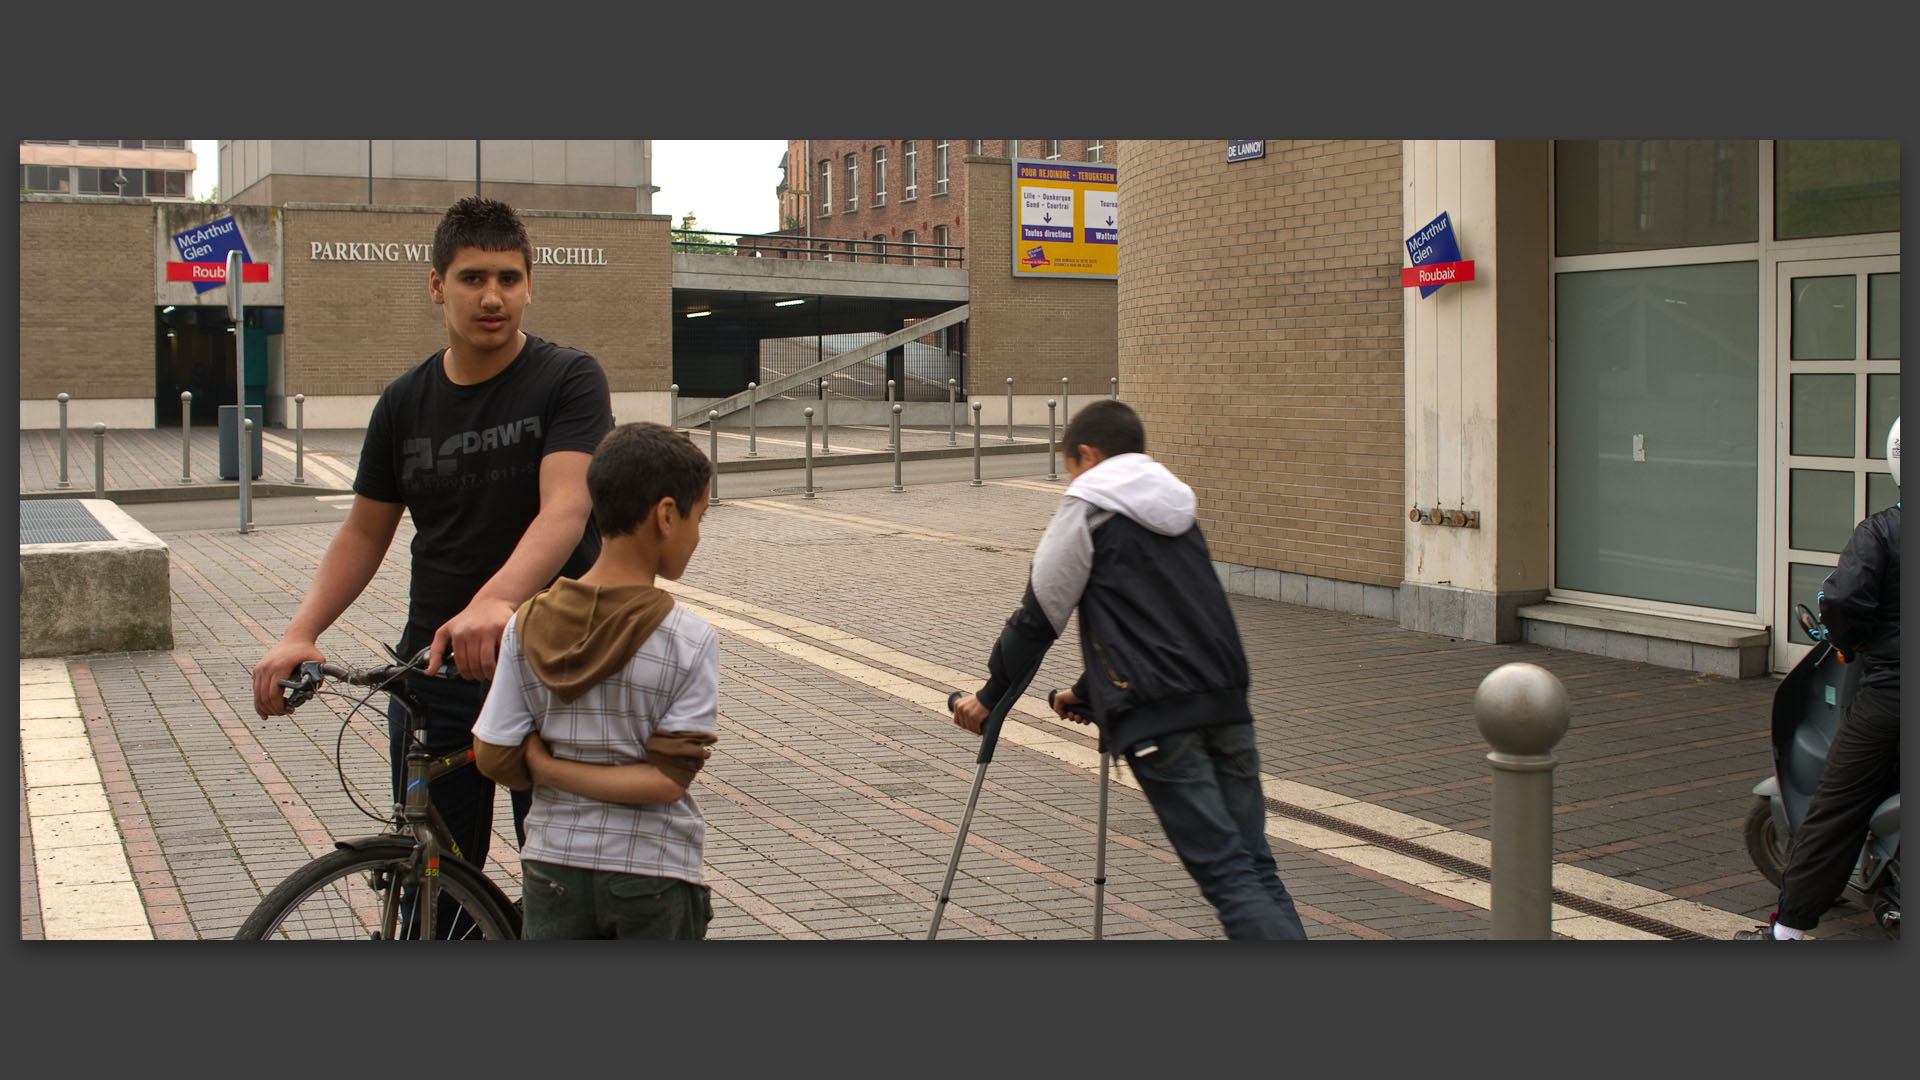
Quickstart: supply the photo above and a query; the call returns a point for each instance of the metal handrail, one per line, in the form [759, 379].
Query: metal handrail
[808, 247]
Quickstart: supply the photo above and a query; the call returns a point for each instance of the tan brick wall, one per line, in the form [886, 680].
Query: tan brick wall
[352, 326]
[1260, 339]
[1035, 331]
[278, 190]
[86, 299]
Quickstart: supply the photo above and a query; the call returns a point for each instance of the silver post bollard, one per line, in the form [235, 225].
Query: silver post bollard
[673, 405]
[246, 477]
[1066, 403]
[893, 436]
[1009, 409]
[1114, 382]
[808, 413]
[1521, 710]
[1052, 472]
[952, 387]
[62, 399]
[713, 454]
[753, 423]
[99, 461]
[976, 445]
[826, 422]
[299, 438]
[186, 436]
[896, 449]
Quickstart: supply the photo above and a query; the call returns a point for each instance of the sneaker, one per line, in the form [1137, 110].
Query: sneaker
[1763, 932]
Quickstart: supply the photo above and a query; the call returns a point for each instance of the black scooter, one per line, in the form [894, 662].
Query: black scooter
[1807, 708]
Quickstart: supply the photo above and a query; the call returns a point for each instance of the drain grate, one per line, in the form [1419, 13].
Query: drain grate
[1467, 868]
[58, 521]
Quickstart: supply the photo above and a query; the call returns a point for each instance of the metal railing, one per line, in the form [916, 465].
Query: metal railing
[824, 248]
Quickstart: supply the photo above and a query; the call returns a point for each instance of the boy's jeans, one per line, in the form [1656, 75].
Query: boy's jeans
[1205, 786]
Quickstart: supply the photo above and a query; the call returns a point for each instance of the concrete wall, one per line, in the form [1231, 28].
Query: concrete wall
[1260, 340]
[86, 310]
[97, 596]
[1034, 331]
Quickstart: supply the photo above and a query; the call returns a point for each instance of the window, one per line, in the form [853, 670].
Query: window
[853, 182]
[909, 237]
[978, 147]
[1632, 195]
[1643, 191]
[940, 237]
[47, 142]
[940, 167]
[170, 183]
[880, 246]
[909, 170]
[113, 143]
[164, 144]
[1096, 150]
[109, 182]
[879, 176]
[58, 178]
[826, 188]
[1053, 149]
[1835, 187]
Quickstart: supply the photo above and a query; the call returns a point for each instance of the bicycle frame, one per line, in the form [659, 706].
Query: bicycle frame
[416, 814]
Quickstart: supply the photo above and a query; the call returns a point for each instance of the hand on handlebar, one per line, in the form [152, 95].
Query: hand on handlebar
[1068, 707]
[280, 663]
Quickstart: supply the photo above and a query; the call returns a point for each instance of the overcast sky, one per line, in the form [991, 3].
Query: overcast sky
[727, 184]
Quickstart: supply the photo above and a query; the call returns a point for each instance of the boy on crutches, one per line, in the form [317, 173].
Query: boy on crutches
[1166, 677]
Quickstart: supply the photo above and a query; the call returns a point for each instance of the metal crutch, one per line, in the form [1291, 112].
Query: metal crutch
[1100, 849]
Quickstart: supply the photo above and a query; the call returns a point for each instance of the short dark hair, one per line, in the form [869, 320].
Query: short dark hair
[1109, 425]
[637, 465]
[474, 222]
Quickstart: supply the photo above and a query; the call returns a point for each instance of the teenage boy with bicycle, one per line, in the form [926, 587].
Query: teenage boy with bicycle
[485, 445]
[611, 692]
[1166, 675]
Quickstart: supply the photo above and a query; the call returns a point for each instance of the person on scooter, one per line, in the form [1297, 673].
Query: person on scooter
[1860, 608]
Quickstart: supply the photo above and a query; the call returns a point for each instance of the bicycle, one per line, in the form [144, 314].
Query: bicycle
[394, 885]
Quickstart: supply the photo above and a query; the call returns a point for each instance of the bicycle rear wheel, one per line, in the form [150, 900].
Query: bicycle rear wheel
[346, 895]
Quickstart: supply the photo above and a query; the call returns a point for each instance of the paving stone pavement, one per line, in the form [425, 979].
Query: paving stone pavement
[836, 790]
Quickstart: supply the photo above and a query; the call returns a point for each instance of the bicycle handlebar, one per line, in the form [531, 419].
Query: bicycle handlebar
[312, 674]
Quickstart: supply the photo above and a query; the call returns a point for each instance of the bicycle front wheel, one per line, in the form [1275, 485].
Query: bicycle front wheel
[349, 895]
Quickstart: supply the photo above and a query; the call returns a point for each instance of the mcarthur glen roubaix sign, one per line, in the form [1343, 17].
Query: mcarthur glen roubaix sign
[1435, 255]
[340, 251]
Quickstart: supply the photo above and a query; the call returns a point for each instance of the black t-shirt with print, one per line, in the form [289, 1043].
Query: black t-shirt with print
[466, 462]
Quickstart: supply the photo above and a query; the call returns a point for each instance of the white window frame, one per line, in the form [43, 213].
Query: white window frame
[940, 167]
[1053, 149]
[1096, 149]
[879, 176]
[910, 170]
[826, 187]
[853, 181]
[908, 236]
[940, 235]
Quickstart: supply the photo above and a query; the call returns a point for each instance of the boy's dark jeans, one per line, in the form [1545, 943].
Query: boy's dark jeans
[1205, 786]
[464, 797]
[570, 903]
[1863, 768]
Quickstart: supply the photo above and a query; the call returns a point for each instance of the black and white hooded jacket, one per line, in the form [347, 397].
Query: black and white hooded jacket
[1161, 649]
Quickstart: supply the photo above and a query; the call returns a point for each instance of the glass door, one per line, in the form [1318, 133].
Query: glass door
[1838, 347]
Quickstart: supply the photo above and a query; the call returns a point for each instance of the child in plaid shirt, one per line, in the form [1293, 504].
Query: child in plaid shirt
[605, 701]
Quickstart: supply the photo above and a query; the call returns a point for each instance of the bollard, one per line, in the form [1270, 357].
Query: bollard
[951, 387]
[826, 423]
[896, 449]
[673, 405]
[893, 438]
[1521, 710]
[62, 399]
[1115, 383]
[976, 445]
[808, 413]
[246, 476]
[1066, 403]
[1052, 473]
[186, 436]
[299, 438]
[713, 452]
[1009, 409]
[753, 425]
[99, 461]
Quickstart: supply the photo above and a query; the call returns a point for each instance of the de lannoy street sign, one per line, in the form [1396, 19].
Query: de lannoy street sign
[1435, 255]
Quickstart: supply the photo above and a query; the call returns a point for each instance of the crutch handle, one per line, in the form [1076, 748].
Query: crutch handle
[1080, 710]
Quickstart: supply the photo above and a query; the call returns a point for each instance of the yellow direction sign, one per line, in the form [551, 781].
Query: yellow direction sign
[1066, 219]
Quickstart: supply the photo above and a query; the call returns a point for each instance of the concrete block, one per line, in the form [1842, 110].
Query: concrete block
[1549, 635]
[1381, 602]
[1586, 639]
[1240, 579]
[96, 596]
[1716, 660]
[1266, 584]
[1753, 661]
[1220, 570]
[1293, 588]
[1624, 646]
[1673, 654]
[1479, 616]
[1349, 596]
[1443, 611]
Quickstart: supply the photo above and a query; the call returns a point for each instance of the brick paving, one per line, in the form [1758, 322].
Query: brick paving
[832, 801]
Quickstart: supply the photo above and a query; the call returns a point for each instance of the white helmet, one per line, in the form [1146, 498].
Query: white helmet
[1893, 451]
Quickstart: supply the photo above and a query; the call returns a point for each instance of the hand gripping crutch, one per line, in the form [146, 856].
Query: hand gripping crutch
[989, 736]
[1100, 849]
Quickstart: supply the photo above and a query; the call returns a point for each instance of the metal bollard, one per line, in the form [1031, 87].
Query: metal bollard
[976, 445]
[1115, 383]
[893, 438]
[1052, 473]
[1066, 403]
[753, 424]
[186, 436]
[99, 461]
[673, 405]
[246, 476]
[951, 387]
[1009, 409]
[826, 423]
[808, 413]
[299, 438]
[713, 452]
[1521, 710]
[62, 399]
[896, 449]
